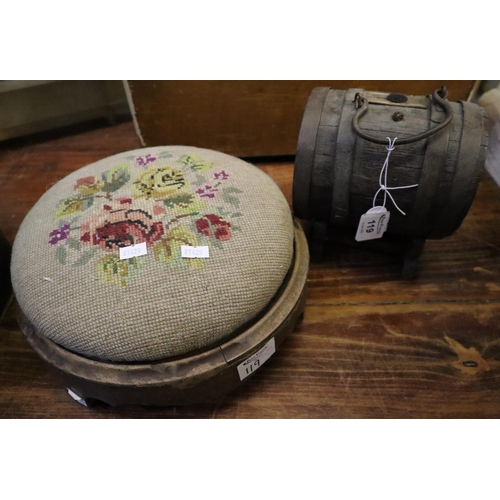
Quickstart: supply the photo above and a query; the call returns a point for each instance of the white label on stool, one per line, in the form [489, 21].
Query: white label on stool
[133, 251]
[194, 252]
[254, 362]
[373, 224]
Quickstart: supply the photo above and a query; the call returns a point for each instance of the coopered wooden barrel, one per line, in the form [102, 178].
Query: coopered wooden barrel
[440, 146]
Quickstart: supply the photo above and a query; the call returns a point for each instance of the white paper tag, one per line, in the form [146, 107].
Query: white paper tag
[373, 224]
[133, 251]
[194, 252]
[254, 362]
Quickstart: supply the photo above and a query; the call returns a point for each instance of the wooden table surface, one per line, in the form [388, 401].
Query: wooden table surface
[371, 345]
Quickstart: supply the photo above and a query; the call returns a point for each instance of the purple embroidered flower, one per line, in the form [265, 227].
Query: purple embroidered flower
[208, 192]
[221, 176]
[59, 234]
[143, 161]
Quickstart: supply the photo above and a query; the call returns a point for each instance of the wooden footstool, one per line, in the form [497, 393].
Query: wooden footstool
[161, 276]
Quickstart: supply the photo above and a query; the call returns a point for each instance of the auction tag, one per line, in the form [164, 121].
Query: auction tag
[194, 252]
[373, 224]
[254, 362]
[133, 251]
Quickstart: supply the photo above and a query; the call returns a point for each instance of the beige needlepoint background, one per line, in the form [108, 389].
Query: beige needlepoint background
[71, 284]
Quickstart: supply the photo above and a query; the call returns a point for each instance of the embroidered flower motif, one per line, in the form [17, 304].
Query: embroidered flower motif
[121, 228]
[221, 176]
[143, 161]
[112, 210]
[208, 192]
[59, 234]
[159, 210]
[208, 223]
[88, 186]
[158, 183]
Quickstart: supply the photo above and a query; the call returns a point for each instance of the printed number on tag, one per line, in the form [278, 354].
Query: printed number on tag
[254, 362]
[133, 251]
[373, 224]
[194, 252]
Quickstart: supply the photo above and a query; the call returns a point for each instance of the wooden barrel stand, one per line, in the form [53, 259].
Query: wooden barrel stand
[201, 377]
[405, 250]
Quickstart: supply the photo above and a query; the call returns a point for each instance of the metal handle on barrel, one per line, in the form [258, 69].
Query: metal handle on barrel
[439, 96]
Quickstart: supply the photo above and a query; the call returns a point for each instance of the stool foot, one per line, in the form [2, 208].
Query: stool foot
[77, 398]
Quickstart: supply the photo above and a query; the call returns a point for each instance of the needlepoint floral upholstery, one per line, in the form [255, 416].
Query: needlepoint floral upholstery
[73, 286]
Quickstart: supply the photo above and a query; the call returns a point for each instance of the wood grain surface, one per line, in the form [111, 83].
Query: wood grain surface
[370, 345]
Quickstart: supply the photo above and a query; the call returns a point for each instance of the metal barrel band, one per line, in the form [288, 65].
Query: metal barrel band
[439, 96]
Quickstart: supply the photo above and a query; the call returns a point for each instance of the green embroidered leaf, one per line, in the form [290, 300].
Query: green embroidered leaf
[231, 190]
[182, 200]
[188, 160]
[71, 205]
[87, 203]
[85, 257]
[75, 204]
[168, 249]
[115, 178]
[165, 154]
[217, 244]
[184, 204]
[62, 223]
[200, 180]
[74, 244]
[202, 166]
[61, 254]
[111, 269]
[231, 199]
[195, 163]
[221, 211]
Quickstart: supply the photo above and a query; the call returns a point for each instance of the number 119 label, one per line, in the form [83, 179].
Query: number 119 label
[373, 224]
[254, 362]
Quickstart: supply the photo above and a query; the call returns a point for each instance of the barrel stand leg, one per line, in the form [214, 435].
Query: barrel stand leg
[319, 235]
[410, 257]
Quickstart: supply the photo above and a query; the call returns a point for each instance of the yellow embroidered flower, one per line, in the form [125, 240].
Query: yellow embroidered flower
[158, 183]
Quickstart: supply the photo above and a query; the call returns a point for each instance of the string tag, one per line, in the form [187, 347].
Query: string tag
[373, 224]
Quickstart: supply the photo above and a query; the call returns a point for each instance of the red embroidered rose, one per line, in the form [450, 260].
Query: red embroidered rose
[212, 225]
[121, 228]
